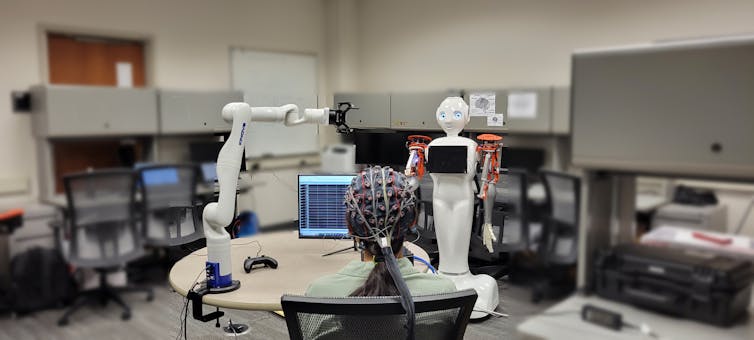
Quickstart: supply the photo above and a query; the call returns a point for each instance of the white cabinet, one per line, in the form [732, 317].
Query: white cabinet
[76, 111]
[183, 112]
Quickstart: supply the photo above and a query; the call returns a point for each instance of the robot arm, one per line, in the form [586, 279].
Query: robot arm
[417, 146]
[229, 159]
[218, 215]
[489, 152]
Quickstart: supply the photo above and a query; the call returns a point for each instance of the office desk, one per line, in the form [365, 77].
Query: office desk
[563, 321]
[300, 261]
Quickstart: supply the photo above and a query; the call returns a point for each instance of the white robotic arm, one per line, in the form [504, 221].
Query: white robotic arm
[218, 215]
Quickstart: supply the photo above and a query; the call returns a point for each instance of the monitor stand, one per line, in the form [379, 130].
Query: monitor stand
[354, 247]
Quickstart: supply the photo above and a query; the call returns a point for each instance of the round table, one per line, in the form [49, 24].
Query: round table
[300, 261]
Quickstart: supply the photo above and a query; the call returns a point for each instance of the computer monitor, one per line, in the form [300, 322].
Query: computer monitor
[384, 148]
[321, 212]
[209, 171]
[529, 159]
[160, 176]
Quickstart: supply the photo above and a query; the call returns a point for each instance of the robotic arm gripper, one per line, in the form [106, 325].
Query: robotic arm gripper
[218, 215]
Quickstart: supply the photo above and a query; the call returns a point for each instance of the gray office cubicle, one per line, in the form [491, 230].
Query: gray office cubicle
[678, 108]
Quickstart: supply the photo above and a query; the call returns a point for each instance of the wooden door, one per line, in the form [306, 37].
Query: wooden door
[86, 60]
[93, 61]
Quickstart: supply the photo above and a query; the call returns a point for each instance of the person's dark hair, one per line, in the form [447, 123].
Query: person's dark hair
[379, 204]
[379, 282]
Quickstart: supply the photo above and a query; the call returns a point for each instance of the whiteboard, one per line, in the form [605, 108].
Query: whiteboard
[275, 79]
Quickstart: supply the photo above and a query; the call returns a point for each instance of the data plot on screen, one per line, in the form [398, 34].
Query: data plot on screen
[321, 211]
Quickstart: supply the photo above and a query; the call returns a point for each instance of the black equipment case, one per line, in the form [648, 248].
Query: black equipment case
[691, 284]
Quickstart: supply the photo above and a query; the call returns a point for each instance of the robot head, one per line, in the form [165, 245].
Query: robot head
[452, 115]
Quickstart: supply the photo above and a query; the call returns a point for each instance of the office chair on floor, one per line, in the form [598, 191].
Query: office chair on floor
[103, 233]
[170, 210]
[170, 215]
[559, 248]
[510, 226]
[439, 316]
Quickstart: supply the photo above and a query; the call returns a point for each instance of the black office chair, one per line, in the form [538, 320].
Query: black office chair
[170, 212]
[510, 227]
[558, 250]
[439, 316]
[171, 223]
[103, 232]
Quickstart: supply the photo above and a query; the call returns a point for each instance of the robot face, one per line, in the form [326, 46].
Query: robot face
[452, 115]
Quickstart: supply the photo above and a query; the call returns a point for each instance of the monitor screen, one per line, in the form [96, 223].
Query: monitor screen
[204, 151]
[321, 212]
[529, 159]
[209, 171]
[160, 176]
[384, 148]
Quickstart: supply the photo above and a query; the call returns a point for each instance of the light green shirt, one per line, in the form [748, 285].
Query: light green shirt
[428, 326]
[354, 274]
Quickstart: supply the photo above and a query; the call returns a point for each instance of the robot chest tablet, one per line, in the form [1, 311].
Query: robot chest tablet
[447, 159]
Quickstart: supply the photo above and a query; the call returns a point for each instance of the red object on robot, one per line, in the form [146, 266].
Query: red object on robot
[490, 144]
[418, 143]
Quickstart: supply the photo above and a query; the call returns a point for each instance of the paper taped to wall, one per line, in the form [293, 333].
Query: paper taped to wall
[495, 120]
[124, 74]
[482, 104]
[522, 105]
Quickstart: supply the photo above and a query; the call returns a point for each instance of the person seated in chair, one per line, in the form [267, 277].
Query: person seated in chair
[380, 211]
[378, 200]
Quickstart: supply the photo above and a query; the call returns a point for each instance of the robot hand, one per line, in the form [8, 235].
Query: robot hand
[488, 237]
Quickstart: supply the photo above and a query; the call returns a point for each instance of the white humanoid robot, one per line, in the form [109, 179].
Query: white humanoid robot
[218, 215]
[453, 204]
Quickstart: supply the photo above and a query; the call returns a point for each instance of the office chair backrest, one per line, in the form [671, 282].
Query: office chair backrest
[511, 194]
[103, 221]
[564, 201]
[170, 213]
[439, 316]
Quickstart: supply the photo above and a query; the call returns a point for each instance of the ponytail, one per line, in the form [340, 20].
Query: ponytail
[379, 282]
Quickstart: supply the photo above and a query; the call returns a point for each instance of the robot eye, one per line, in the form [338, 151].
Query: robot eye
[457, 115]
[442, 115]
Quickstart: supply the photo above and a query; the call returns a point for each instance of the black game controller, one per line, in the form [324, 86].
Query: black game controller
[264, 261]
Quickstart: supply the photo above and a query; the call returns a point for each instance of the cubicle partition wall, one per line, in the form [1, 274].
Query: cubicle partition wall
[90, 119]
[680, 109]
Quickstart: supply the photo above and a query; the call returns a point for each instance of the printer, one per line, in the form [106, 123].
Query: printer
[701, 217]
[688, 283]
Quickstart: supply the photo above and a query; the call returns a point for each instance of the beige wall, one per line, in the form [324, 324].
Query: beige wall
[437, 44]
[189, 48]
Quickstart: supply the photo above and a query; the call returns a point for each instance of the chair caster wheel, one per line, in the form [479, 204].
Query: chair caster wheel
[150, 297]
[125, 316]
[62, 322]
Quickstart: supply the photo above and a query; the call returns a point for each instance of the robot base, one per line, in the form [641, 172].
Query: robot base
[486, 289]
[234, 284]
